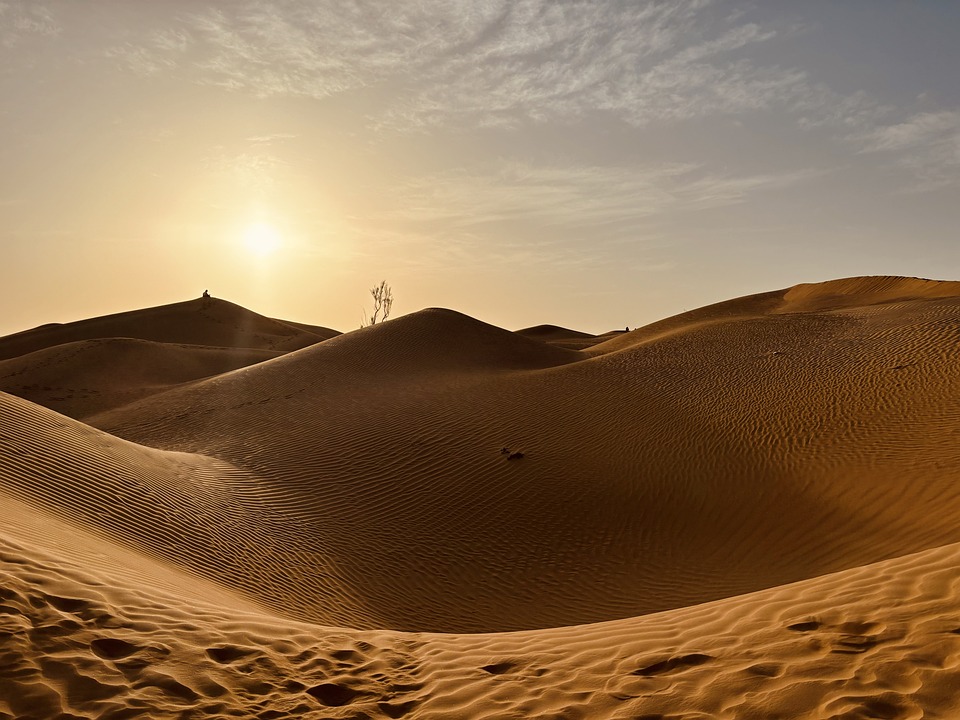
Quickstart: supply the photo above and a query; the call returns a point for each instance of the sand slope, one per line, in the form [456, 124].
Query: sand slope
[92, 639]
[197, 513]
[760, 499]
[89, 376]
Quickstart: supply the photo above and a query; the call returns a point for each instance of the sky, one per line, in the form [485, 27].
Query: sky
[588, 164]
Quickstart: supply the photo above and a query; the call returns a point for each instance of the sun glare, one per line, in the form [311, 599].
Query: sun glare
[261, 239]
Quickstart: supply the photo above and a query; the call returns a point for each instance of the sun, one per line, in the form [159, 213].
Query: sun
[261, 239]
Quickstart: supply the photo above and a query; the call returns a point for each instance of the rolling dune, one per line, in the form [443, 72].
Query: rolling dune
[748, 510]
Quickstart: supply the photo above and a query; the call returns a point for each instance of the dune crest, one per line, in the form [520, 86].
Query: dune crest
[864, 291]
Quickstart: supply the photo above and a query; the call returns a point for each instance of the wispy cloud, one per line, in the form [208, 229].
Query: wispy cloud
[493, 62]
[917, 131]
[467, 64]
[19, 19]
[144, 60]
[251, 167]
[926, 144]
[562, 61]
[510, 211]
[270, 139]
[569, 196]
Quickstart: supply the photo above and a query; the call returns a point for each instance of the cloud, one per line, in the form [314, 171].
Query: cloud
[917, 131]
[252, 168]
[481, 62]
[467, 64]
[270, 139]
[20, 19]
[142, 60]
[510, 210]
[642, 64]
[574, 196]
[508, 213]
[926, 144]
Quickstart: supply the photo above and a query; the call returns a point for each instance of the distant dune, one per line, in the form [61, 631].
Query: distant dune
[204, 321]
[749, 510]
[561, 337]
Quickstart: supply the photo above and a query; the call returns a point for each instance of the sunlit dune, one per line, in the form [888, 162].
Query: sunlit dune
[749, 510]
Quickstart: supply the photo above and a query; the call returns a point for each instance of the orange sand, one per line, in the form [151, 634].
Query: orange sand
[750, 510]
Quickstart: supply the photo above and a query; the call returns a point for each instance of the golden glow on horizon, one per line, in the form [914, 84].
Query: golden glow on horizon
[262, 239]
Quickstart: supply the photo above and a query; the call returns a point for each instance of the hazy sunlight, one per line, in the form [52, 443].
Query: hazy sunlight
[261, 239]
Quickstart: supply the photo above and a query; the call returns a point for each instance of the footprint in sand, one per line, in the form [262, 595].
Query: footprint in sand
[113, 648]
[673, 664]
[500, 668]
[226, 654]
[333, 694]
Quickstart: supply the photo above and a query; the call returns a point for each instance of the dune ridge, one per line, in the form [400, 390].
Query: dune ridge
[748, 510]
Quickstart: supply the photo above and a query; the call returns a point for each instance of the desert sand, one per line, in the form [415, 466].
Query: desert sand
[749, 510]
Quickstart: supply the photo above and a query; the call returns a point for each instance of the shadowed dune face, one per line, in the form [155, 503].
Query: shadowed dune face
[746, 451]
[90, 376]
[198, 513]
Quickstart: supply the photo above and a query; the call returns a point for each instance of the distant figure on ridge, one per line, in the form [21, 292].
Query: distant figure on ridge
[206, 294]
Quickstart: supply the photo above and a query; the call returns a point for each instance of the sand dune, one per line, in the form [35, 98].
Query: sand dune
[562, 337]
[830, 296]
[204, 321]
[748, 510]
[767, 432]
[862, 292]
[569, 339]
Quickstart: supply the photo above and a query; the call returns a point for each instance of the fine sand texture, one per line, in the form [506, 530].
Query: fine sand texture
[750, 510]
